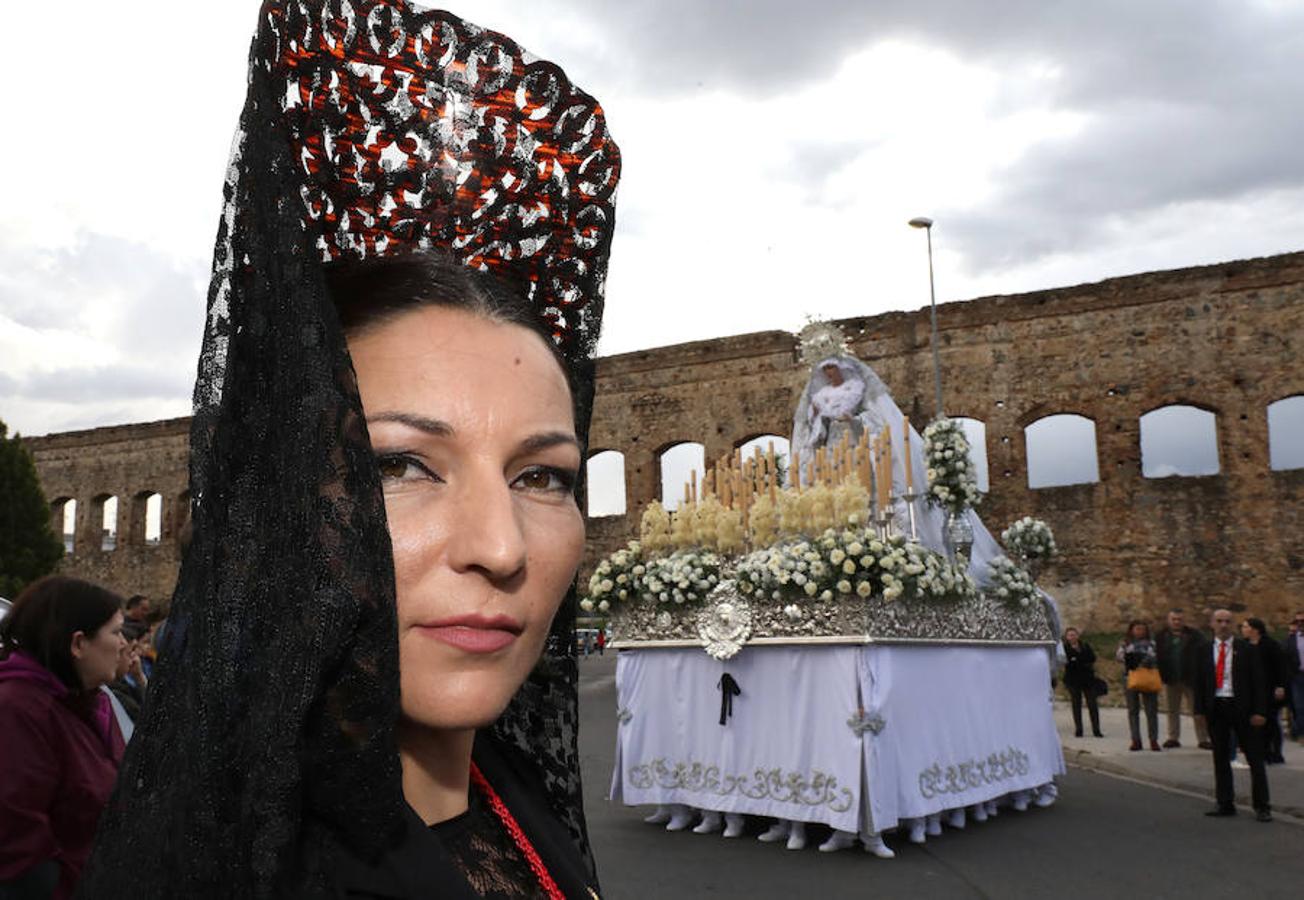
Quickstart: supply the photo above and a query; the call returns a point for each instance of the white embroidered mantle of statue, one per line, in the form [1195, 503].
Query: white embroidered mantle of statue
[833, 608]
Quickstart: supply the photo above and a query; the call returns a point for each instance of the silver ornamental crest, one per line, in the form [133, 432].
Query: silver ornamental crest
[725, 622]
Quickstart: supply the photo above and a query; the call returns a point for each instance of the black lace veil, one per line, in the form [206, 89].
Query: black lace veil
[269, 735]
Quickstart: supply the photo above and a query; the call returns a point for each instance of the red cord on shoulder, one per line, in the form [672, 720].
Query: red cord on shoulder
[505, 816]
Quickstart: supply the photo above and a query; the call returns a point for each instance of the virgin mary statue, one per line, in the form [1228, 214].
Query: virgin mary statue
[845, 396]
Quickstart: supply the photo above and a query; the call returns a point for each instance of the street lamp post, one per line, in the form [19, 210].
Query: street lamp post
[927, 224]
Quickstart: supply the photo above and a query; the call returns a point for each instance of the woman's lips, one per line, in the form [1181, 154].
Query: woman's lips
[473, 634]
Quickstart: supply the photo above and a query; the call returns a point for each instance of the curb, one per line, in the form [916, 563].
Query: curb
[1085, 759]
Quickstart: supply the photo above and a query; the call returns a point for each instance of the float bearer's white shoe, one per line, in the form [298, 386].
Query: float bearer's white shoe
[797, 837]
[681, 817]
[710, 823]
[838, 840]
[934, 825]
[660, 815]
[917, 831]
[776, 832]
[954, 818]
[874, 844]
[978, 812]
[1046, 794]
[733, 825]
[991, 809]
[1019, 800]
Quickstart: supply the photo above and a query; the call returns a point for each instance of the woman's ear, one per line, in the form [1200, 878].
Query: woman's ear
[78, 645]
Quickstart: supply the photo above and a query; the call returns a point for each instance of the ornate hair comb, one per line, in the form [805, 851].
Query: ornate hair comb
[415, 128]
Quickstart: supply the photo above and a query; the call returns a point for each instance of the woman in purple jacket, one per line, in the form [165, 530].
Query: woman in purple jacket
[59, 743]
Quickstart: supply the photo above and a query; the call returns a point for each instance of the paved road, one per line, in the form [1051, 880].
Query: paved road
[1105, 838]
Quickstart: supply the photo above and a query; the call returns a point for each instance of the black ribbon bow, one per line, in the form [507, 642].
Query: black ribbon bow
[728, 690]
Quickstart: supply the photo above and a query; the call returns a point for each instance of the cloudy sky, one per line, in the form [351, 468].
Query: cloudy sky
[773, 153]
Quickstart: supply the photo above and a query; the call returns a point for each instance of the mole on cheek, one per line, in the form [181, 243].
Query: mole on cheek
[517, 361]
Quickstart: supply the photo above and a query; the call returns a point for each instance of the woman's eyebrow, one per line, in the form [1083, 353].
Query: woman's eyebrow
[546, 439]
[436, 427]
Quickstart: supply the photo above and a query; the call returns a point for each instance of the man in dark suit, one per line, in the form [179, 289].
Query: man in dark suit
[1232, 693]
[1294, 650]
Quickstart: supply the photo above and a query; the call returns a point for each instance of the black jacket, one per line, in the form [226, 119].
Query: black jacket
[1079, 665]
[1274, 667]
[1192, 641]
[1290, 657]
[1249, 684]
[420, 868]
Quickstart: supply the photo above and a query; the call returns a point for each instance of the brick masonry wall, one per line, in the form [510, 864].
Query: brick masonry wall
[1224, 337]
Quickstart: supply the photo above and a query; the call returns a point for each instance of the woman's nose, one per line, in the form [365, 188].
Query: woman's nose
[486, 534]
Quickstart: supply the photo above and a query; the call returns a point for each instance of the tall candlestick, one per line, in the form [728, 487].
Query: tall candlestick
[910, 478]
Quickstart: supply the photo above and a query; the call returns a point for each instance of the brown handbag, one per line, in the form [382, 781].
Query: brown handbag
[1146, 681]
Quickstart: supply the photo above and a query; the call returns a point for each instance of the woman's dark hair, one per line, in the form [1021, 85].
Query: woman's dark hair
[371, 292]
[48, 613]
[1134, 623]
[1258, 625]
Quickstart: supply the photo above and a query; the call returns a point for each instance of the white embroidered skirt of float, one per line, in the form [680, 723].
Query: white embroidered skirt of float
[786, 749]
[959, 725]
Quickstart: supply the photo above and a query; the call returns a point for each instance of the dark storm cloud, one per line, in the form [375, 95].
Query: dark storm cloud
[1182, 101]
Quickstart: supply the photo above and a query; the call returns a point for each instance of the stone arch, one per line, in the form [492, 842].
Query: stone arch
[1061, 450]
[605, 483]
[1286, 433]
[145, 523]
[63, 518]
[1179, 439]
[676, 462]
[103, 522]
[975, 430]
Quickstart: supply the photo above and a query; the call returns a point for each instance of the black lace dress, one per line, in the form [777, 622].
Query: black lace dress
[485, 854]
[473, 855]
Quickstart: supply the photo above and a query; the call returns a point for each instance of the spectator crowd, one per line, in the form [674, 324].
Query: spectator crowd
[1237, 681]
[75, 662]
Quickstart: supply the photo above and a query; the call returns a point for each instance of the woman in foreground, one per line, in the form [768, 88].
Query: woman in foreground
[368, 684]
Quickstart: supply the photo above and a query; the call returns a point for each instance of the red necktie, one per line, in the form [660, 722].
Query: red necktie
[1221, 667]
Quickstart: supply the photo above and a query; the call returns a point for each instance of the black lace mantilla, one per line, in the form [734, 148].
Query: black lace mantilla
[268, 738]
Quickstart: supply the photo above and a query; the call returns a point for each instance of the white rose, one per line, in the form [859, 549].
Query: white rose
[864, 589]
[586, 604]
[811, 589]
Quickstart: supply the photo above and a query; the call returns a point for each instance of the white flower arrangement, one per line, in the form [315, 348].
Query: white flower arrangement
[850, 563]
[913, 572]
[617, 577]
[952, 481]
[836, 564]
[1030, 540]
[1009, 583]
[685, 576]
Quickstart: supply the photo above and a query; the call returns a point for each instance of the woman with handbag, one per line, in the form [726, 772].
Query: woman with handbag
[1141, 663]
[1080, 679]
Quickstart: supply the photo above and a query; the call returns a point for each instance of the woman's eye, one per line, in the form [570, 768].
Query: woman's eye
[546, 478]
[398, 467]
